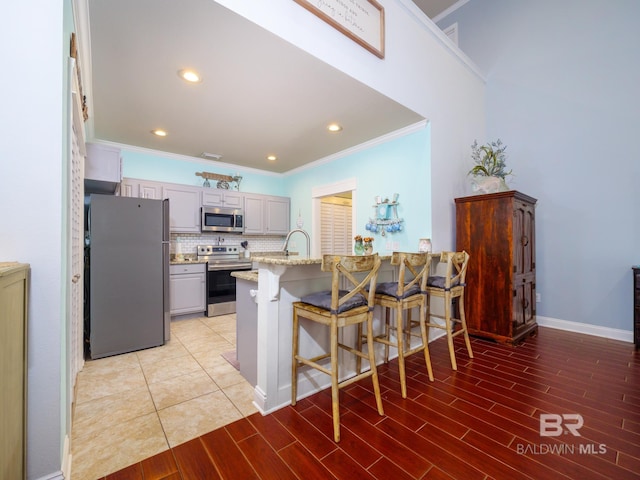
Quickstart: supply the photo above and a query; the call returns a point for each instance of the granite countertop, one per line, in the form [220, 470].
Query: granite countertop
[249, 275]
[285, 260]
[294, 260]
[185, 261]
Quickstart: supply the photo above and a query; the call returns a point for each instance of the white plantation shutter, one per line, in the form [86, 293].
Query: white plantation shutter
[336, 228]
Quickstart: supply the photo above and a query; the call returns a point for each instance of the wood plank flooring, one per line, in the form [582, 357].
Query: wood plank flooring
[481, 422]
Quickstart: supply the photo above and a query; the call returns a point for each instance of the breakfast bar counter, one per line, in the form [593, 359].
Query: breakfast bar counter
[264, 326]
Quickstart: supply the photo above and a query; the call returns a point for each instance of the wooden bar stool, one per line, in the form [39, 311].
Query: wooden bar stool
[340, 308]
[448, 287]
[402, 296]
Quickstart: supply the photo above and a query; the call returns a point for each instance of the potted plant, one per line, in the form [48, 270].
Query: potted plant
[490, 170]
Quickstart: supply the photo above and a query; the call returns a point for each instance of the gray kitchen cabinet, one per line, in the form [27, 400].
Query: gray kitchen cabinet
[222, 198]
[277, 213]
[187, 286]
[254, 214]
[247, 329]
[266, 214]
[184, 208]
[184, 201]
[132, 187]
[263, 214]
[103, 163]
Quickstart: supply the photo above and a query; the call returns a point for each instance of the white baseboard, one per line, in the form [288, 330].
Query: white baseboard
[587, 329]
[54, 476]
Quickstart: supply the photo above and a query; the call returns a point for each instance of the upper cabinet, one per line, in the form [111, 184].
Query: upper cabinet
[263, 214]
[277, 213]
[141, 188]
[184, 208]
[102, 169]
[184, 201]
[222, 198]
[266, 214]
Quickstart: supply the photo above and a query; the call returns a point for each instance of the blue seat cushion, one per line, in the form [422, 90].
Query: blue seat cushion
[438, 281]
[391, 289]
[323, 300]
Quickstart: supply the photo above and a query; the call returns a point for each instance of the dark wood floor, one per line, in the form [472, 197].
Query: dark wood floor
[480, 422]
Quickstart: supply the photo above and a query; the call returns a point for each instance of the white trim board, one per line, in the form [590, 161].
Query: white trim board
[586, 328]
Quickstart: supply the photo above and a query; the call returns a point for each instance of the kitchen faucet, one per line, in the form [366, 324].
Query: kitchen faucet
[286, 241]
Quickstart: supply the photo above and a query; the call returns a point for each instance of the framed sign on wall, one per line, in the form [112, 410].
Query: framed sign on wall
[360, 20]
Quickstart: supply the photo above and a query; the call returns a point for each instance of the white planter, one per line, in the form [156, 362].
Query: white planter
[481, 185]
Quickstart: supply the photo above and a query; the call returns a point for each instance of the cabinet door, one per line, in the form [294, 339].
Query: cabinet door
[213, 198]
[184, 208]
[524, 301]
[221, 198]
[277, 215]
[233, 199]
[103, 163]
[523, 238]
[128, 188]
[187, 293]
[150, 190]
[254, 214]
[132, 187]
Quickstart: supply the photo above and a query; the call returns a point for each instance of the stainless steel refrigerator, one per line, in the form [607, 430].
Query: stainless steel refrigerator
[128, 254]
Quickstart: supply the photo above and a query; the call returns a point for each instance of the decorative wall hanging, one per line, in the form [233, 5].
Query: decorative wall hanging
[360, 20]
[385, 216]
[223, 181]
[73, 52]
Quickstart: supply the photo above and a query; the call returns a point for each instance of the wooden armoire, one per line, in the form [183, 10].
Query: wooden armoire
[498, 232]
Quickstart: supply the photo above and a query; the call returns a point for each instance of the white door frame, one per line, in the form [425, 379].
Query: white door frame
[348, 185]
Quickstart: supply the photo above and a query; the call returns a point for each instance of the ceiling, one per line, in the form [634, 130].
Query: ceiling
[259, 95]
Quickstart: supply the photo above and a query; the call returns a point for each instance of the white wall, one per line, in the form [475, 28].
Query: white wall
[416, 71]
[31, 146]
[562, 93]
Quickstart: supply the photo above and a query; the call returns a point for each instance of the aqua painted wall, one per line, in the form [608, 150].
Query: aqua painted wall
[165, 167]
[402, 166]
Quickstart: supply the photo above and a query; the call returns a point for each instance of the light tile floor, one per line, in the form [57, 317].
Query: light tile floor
[132, 406]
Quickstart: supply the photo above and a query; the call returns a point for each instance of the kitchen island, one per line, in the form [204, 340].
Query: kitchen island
[264, 299]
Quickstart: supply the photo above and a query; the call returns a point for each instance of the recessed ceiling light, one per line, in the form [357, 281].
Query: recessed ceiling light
[272, 157]
[159, 132]
[334, 127]
[190, 76]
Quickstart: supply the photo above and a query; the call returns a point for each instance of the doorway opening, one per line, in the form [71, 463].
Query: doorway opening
[334, 217]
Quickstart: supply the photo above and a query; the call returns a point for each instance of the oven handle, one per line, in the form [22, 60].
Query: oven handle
[231, 268]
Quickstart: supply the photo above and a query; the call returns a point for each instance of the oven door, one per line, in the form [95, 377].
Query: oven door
[221, 290]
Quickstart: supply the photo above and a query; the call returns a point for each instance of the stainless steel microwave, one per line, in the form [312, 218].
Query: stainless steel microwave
[221, 219]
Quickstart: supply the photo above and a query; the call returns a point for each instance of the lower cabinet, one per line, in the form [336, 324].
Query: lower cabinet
[188, 288]
[14, 278]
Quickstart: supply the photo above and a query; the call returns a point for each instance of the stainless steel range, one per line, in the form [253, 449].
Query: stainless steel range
[221, 286]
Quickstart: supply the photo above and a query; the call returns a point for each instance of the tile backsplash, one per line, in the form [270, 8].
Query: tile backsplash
[189, 241]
